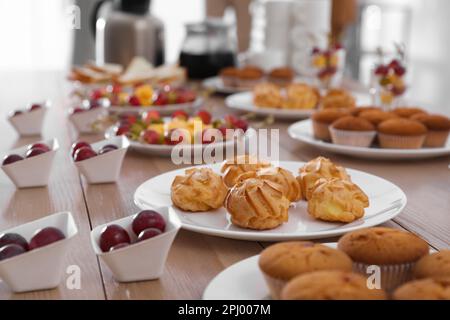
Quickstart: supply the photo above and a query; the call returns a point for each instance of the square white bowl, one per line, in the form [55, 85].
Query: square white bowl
[34, 171]
[29, 123]
[83, 121]
[104, 168]
[41, 268]
[143, 260]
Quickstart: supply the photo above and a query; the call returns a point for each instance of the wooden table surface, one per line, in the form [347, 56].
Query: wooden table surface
[194, 258]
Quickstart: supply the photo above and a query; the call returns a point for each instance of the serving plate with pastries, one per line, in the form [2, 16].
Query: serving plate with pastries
[251, 199]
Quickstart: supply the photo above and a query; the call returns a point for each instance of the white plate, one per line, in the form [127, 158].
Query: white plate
[303, 131]
[166, 150]
[386, 201]
[163, 110]
[242, 281]
[244, 102]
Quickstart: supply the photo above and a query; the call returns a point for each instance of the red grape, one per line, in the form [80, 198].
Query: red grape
[119, 246]
[148, 233]
[84, 153]
[46, 236]
[13, 238]
[35, 106]
[11, 159]
[39, 146]
[10, 250]
[77, 145]
[113, 235]
[34, 152]
[148, 219]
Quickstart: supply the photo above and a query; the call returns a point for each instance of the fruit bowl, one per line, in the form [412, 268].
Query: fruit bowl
[143, 260]
[31, 171]
[29, 122]
[105, 167]
[40, 268]
[84, 118]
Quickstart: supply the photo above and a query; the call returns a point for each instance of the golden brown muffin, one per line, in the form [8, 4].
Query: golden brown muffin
[425, 289]
[376, 116]
[233, 168]
[321, 119]
[438, 129]
[337, 200]
[406, 112]
[281, 76]
[356, 111]
[394, 251]
[434, 265]
[350, 123]
[288, 183]
[401, 133]
[257, 204]
[330, 285]
[316, 169]
[383, 246]
[229, 76]
[301, 96]
[198, 190]
[283, 261]
[267, 95]
[249, 76]
[338, 98]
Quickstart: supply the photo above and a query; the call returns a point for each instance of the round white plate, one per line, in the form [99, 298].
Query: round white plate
[166, 150]
[244, 102]
[303, 131]
[216, 84]
[242, 281]
[163, 110]
[386, 201]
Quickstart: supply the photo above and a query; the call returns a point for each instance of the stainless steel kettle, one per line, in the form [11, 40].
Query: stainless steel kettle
[127, 31]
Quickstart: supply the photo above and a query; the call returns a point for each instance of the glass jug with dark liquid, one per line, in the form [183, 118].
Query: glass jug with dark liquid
[208, 47]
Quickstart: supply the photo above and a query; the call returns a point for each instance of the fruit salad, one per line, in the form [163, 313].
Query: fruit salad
[390, 81]
[151, 128]
[327, 62]
[143, 95]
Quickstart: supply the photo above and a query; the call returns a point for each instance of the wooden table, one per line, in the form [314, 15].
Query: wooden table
[194, 258]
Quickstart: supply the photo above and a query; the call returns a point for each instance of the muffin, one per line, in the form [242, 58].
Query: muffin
[330, 285]
[438, 129]
[337, 200]
[400, 133]
[322, 119]
[233, 168]
[407, 112]
[281, 76]
[284, 178]
[338, 98]
[229, 76]
[301, 96]
[198, 190]
[284, 261]
[434, 265]
[376, 116]
[352, 131]
[394, 251]
[249, 76]
[358, 110]
[316, 169]
[267, 95]
[257, 204]
[425, 289]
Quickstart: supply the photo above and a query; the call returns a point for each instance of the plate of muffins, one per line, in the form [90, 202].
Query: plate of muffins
[297, 100]
[370, 132]
[368, 264]
[251, 199]
[233, 79]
